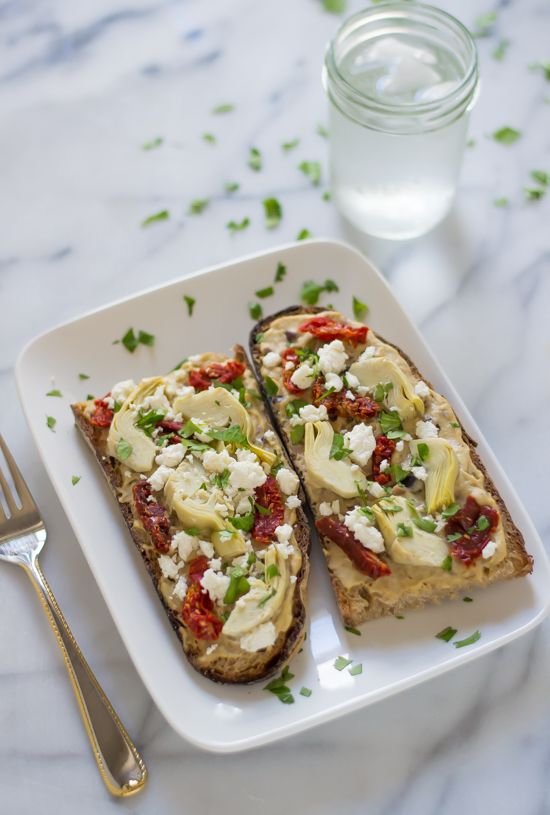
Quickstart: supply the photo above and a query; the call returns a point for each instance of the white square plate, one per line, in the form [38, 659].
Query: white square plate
[395, 653]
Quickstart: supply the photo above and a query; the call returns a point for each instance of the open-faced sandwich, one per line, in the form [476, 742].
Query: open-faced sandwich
[213, 506]
[405, 509]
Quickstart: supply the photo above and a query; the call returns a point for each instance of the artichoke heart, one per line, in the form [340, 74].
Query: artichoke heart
[327, 472]
[179, 490]
[405, 542]
[377, 370]
[442, 466]
[228, 543]
[263, 601]
[218, 407]
[123, 427]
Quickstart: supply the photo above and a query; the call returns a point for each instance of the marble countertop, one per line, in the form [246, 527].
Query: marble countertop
[82, 87]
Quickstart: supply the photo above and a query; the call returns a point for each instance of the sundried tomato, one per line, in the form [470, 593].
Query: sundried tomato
[366, 561]
[290, 355]
[170, 426]
[153, 516]
[269, 498]
[198, 615]
[223, 372]
[338, 404]
[197, 568]
[383, 451]
[102, 415]
[472, 540]
[326, 329]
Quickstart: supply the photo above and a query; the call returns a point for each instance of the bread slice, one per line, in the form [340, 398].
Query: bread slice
[251, 635]
[402, 509]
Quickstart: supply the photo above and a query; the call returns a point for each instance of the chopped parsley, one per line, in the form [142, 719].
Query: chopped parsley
[305, 692]
[272, 571]
[327, 195]
[500, 51]
[55, 392]
[398, 473]
[226, 107]
[338, 449]
[271, 387]
[467, 599]
[243, 522]
[303, 235]
[279, 687]
[51, 423]
[312, 170]
[123, 450]
[389, 420]
[544, 67]
[144, 338]
[446, 634]
[190, 303]
[468, 640]
[152, 144]
[263, 293]
[263, 600]
[209, 138]
[334, 6]
[501, 202]
[230, 435]
[221, 480]
[198, 205]
[280, 273]
[292, 408]
[238, 226]
[455, 424]
[360, 309]
[534, 193]
[255, 311]
[311, 291]
[273, 212]
[297, 434]
[352, 630]
[231, 186]
[483, 523]
[447, 564]
[83, 376]
[455, 536]
[341, 662]
[90, 396]
[287, 146]
[425, 524]
[541, 177]
[506, 135]
[194, 531]
[130, 341]
[423, 450]
[162, 215]
[238, 585]
[356, 669]
[451, 510]
[255, 159]
[404, 531]
[484, 24]
[322, 131]
[148, 420]
[75, 479]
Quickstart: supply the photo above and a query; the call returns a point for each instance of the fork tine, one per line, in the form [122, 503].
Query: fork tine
[27, 501]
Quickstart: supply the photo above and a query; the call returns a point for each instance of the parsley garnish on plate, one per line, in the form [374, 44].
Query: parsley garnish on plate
[305, 691]
[360, 309]
[231, 186]
[356, 669]
[327, 195]
[280, 273]
[467, 599]
[334, 6]
[75, 479]
[484, 23]
[209, 138]
[255, 311]
[541, 177]
[543, 67]
[534, 193]
[352, 630]
[311, 291]
[500, 51]
[130, 341]
[190, 303]
[273, 212]
[312, 170]
[322, 131]
[341, 662]
[468, 640]
[255, 159]
[303, 235]
[279, 687]
[265, 292]
[51, 423]
[446, 634]
[163, 215]
[500, 202]
[144, 338]
[226, 107]
[152, 144]
[238, 226]
[55, 392]
[287, 146]
[198, 205]
[83, 376]
[506, 135]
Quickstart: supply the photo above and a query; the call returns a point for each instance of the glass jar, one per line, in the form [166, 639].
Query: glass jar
[401, 78]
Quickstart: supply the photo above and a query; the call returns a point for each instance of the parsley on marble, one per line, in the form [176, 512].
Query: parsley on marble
[153, 143]
[287, 146]
[327, 195]
[303, 235]
[334, 6]
[198, 205]
[506, 135]
[238, 226]
[541, 177]
[484, 23]
[255, 159]
[156, 217]
[311, 291]
[190, 303]
[226, 107]
[312, 170]
[467, 599]
[231, 186]
[209, 138]
[273, 212]
[501, 202]
[534, 193]
[543, 67]
[500, 51]
[322, 131]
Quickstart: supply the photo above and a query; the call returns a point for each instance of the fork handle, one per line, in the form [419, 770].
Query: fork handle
[120, 765]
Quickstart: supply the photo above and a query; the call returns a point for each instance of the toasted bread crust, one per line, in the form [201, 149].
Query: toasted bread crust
[357, 604]
[247, 667]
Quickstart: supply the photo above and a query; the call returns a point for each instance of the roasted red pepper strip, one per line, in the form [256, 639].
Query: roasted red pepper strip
[470, 545]
[326, 329]
[153, 516]
[290, 355]
[198, 615]
[197, 568]
[384, 450]
[268, 496]
[223, 372]
[102, 415]
[338, 404]
[366, 561]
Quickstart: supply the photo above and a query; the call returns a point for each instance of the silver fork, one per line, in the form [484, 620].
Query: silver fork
[22, 536]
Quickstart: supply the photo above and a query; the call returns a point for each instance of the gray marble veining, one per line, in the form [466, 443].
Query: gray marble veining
[82, 87]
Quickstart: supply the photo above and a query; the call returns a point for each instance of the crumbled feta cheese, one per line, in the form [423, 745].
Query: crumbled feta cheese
[185, 544]
[211, 649]
[216, 584]
[351, 380]
[246, 455]
[246, 475]
[420, 472]
[310, 413]
[360, 440]
[400, 445]
[216, 462]
[358, 523]
[384, 465]
[284, 549]
[180, 589]
[168, 567]
[333, 382]
[270, 437]
[122, 390]
[302, 376]
[171, 456]
[271, 359]
[489, 550]
[287, 481]
[375, 489]
[289, 366]
[426, 430]
[173, 388]
[325, 508]
[159, 478]
[350, 395]
[332, 357]
[242, 505]
[421, 389]
[293, 578]
[263, 636]
[283, 533]
[221, 509]
[215, 563]
[370, 351]
[293, 502]
[394, 409]
[207, 549]
[157, 400]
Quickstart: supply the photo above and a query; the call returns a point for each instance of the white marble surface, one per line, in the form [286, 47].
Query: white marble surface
[82, 86]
